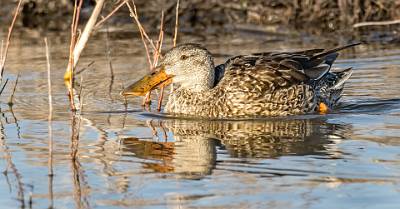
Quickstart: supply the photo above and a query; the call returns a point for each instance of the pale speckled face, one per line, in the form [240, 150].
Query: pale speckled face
[190, 65]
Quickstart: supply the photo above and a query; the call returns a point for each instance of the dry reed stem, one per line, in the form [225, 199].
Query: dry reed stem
[376, 23]
[109, 59]
[156, 49]
[4, 86]
[159, 41]
[134, 14]
[146, 99]
[159, 46]
[80, 95]
[144, 37]
[99, 23]
[50, 117]
[49, 76]
[176, 22]
[10, 29]
[160, 98]
[1, 50]
[68, 76]
[10, 100]
[78, 44]
[50, 171]
[147, 50]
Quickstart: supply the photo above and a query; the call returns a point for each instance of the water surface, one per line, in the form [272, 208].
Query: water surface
[128, 157]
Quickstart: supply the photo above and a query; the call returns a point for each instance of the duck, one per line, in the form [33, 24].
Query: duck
[267, 84]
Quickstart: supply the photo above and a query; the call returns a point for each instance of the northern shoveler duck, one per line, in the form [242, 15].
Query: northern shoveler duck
[256, 85]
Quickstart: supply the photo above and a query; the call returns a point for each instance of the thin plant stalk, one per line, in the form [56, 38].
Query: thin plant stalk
[174, 41]
[50, 128]
[68, 76]
[4, 86]
[50, 117]
[11, 99]
[159, 46]
[78, 44]
[159, 41]
[1, 50]
[99, 23]
[134, 14]
[156, 48]
[10, 30]
[144, 37]
[176, 22]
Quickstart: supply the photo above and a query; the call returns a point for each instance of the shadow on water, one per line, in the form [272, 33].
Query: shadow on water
[370, 106]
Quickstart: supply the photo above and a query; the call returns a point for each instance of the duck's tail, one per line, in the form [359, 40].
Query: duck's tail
[330, 88]
[330, 85]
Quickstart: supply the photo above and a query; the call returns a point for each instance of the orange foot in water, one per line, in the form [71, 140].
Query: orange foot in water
[323, 108]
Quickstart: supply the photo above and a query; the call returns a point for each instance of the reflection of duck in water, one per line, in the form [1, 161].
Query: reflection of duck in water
[189, 157]
[263, 84]
[194, 152]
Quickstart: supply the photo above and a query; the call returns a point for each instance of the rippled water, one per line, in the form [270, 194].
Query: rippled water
[128, 157]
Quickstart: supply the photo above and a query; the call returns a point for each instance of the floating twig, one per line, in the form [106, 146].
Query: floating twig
[376, 23]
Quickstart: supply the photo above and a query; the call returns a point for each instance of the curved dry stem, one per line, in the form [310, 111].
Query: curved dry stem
[5, 50]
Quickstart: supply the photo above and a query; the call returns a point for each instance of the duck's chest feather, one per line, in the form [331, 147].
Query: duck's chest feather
[243, 101]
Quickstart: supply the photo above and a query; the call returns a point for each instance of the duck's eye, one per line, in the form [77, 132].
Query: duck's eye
[183, 57]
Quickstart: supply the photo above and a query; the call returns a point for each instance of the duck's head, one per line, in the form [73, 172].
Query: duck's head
[188, 65]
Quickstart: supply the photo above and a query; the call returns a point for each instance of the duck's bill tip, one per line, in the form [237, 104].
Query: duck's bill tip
[148, 83]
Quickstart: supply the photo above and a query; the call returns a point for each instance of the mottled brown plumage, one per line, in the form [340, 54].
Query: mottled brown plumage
[256, 85]
[264, 84]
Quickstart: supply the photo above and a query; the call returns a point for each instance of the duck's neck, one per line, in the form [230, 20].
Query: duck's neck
[203, 81]
[198, 81]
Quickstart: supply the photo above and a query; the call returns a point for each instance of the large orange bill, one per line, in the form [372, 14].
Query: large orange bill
[148, 83]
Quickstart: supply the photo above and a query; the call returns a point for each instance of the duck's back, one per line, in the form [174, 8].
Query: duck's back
[278, 84]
